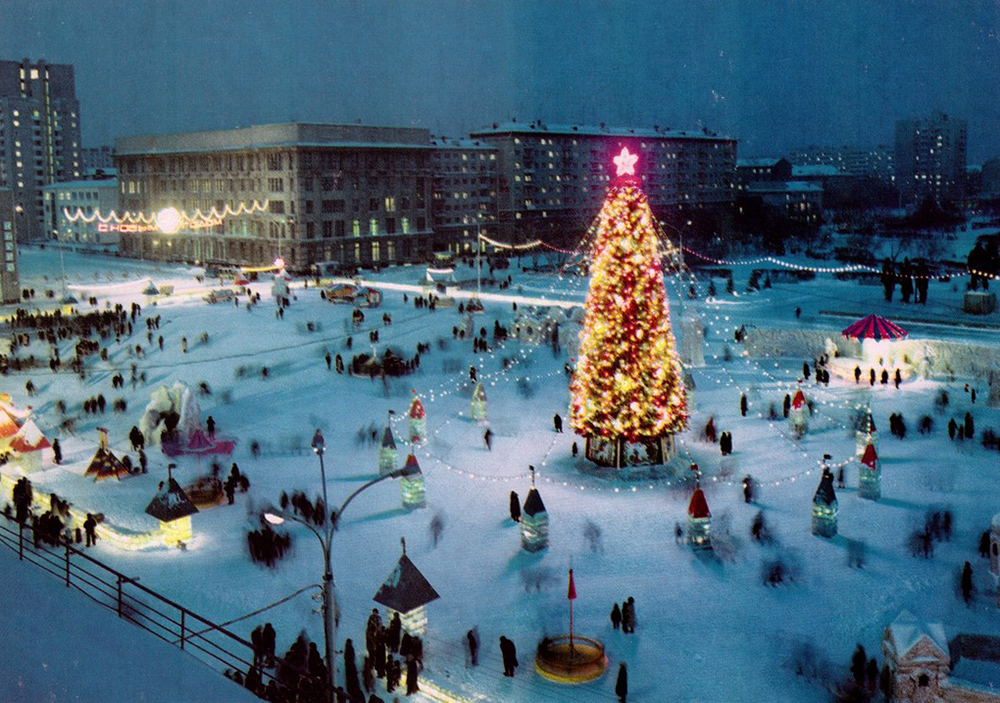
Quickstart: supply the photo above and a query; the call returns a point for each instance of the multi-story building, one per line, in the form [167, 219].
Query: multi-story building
[349, 195]
[930, 158]
[762, 169]
[797, 200]
[9, 288]
[80, 211]
[466, 179]
[872, 162]
[553, 178]
[39, 135]
[98, 158]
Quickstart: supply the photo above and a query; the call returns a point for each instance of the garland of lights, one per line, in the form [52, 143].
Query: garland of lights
[151, 219]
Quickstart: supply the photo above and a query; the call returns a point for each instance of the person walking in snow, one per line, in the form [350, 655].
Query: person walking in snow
[473, 642]
[557, 422]
[90, 527]
[628, 615]
[621, 685]
[210, 426]
[515, 507]
[411, 677]
[616, 616]
[509, 654]
[488, 438]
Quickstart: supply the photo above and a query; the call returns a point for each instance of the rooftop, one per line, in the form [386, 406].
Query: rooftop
[83, 183]
[783, 187]
[291, 134]
[602, 130]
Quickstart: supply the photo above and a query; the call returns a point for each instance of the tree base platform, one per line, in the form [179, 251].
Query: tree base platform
[557, 661]
[619, 452]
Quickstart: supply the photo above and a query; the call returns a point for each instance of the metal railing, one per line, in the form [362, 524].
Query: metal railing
[212, 644]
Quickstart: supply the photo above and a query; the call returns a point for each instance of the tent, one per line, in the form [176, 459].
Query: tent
[105, 464]
[874, 327]
[28, 443]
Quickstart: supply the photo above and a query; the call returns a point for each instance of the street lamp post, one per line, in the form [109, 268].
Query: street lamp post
[325, 537]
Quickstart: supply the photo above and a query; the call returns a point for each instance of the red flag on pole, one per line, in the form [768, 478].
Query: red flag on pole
[571, 594]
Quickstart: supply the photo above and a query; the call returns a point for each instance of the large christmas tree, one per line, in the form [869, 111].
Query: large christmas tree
[628, 393]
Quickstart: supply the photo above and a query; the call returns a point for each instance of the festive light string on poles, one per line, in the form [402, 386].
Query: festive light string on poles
[214, 213]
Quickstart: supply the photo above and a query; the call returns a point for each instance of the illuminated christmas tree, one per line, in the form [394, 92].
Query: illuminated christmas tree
[628, 392]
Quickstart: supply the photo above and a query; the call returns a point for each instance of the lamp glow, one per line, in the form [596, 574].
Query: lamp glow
[169, 220]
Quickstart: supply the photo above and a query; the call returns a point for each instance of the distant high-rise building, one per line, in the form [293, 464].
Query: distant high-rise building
[98, 158]
[930, 158]
[553, 177]
[9, 287]
[39, 136]
[863, 162]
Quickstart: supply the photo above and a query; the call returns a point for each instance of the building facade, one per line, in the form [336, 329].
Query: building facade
[862, 162]
[762, 169]
[39, 136]
[78, 211]
[10, 290]
[332, 195]
[931, 158]
[98, 158]
[553, 178]
[797, 200]
[466, 182]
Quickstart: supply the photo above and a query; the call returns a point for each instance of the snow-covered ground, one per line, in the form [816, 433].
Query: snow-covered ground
[708, 629]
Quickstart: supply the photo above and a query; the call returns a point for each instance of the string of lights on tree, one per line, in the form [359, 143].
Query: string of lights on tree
[628, 379]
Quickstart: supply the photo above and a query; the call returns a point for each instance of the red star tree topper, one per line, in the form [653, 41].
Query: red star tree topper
[628, 380]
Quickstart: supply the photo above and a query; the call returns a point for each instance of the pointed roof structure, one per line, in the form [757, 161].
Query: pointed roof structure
[533, 504]
[417, 408]
[412, 466]
[798, 399]
[199, 442]
[10, 417]
[388, 441]
[698, 507]
[907, 631]
[825, 495]
[870, 457]
[170, 503]
[406, 588]
[874, 327]
[105, 465]
[29, 438]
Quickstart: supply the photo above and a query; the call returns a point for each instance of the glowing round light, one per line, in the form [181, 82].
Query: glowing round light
[168, 220]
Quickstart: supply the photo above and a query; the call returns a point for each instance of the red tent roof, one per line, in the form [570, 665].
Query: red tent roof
[411, 463]
[798, 399]
[8, 424]
[416, 408]
[29, 439]
[870, 458]
[874, 327]
[698, 507]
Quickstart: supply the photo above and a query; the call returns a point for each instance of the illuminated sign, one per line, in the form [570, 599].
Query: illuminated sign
[124, 227]
[201, 224]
